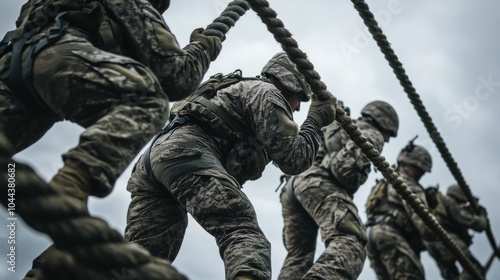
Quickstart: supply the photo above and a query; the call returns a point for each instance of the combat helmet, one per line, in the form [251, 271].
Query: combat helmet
[384, 115]
[160, 5]
[282, 68]
[415, 155]
[455, 192]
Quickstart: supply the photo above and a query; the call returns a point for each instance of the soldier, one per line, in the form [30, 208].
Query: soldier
[222, 136]
[322, 198]
[110, 66]
[395, 232]
[455, 215]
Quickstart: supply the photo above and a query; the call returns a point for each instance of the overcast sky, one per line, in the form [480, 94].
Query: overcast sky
[449, 49]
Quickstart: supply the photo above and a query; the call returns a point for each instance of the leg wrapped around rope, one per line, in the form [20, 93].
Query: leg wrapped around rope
[84, 247]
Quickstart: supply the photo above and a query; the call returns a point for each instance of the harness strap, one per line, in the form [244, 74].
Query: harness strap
[5, 44]
[176, 122]
[18, 76]
[235, 126]
[291, 193]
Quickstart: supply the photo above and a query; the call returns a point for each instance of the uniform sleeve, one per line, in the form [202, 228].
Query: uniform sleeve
[350, 166]
[150, 41]
[421, 227]
[181, 70]
[463, 216]
[292, 149]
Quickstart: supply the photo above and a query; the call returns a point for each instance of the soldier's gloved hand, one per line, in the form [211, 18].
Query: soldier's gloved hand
[323, 112]
[211, 43]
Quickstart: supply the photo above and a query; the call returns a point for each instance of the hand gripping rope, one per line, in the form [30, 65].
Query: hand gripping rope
[84, 238]
[89, 248]
[290, 46]
[398, 69]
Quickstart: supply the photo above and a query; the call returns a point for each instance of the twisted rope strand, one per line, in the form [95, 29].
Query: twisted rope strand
[290, 46]
[89, 248]
[88, 245]
[414, 97]
[227, 19]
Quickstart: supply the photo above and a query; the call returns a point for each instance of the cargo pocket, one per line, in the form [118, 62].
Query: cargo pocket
[173, 164]
[352, 225]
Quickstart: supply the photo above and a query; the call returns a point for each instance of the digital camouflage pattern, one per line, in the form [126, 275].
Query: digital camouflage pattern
[189, 162]
[417, 156]
[322, 199]
[384, 115]
[281, 67]
[395, 231]
[120, 101]
[456, 217]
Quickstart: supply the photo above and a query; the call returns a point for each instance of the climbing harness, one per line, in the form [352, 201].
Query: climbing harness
[18, 76]
[219, 27]
[386, 49]
[199, 106]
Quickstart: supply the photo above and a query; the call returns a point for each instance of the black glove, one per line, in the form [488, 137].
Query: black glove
[211, 43]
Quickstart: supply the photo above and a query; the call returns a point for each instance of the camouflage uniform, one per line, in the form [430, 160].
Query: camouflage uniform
[456, 217]
[116, 87]
[395, 231]
[197, 174]
[322, 198]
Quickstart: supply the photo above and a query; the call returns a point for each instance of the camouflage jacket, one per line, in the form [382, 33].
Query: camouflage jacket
[142, 35]
[458, 217]
[340, 161]
[270, 131]
[386, 206]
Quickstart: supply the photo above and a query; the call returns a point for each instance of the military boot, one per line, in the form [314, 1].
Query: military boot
[73, 180]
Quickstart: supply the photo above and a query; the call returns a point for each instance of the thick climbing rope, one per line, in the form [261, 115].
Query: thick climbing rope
[290, 46]
[488, 263]
[86, 238]
[221, 25]
[88, 248]
[398, 69]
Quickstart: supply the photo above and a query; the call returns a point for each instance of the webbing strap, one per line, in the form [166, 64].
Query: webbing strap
[147, 163]
[237, 127]
[12, 75]
[176, 122]
[5, 44]
[19, 75]
[291, 193]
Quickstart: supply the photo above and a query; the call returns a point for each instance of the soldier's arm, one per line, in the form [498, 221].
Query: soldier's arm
[292, 149]
[179, 70]
[464, 217]
[422, 229]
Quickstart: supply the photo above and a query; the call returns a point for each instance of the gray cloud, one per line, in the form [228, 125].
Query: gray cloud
[445, 47]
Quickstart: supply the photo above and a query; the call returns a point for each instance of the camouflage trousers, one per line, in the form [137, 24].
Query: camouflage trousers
[318, 207]
[391, 256]
[193, 181]
[117, 100]
[446, 260]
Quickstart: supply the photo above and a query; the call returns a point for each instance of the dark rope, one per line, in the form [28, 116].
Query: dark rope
[398, 69]
[89, 248]
[490, 261]
[290, 46]
[227, 19]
